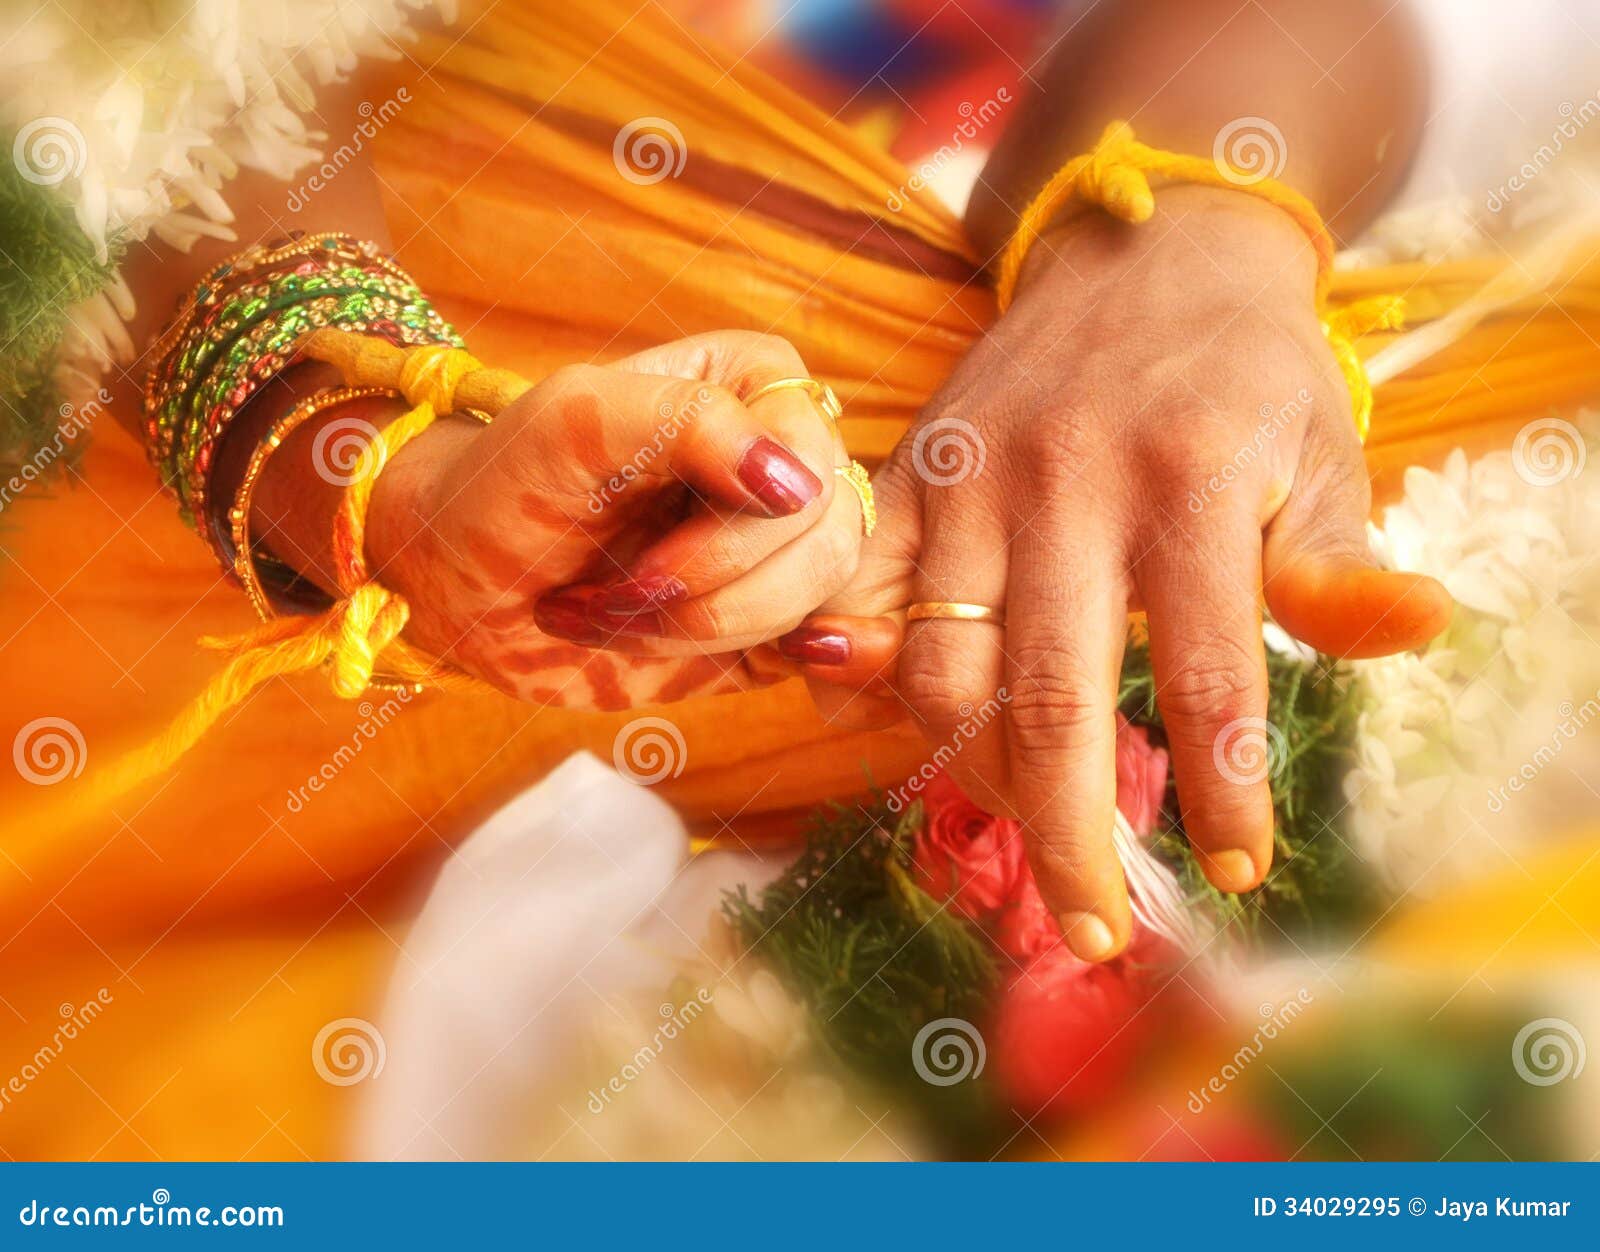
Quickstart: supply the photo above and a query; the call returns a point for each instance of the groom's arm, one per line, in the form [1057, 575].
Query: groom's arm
[1344, 84]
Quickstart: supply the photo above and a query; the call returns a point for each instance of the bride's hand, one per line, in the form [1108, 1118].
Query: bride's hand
[640, 508]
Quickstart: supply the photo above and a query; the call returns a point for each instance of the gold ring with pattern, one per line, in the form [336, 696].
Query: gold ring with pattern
[817, 390]
[861, 483]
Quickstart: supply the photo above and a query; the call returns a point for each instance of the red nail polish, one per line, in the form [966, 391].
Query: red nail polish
[610, 623]
[818, 647]
[638, 594]
[777, 479]
[564, 614]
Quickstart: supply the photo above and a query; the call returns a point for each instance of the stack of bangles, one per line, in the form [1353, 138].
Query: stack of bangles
[239, 328]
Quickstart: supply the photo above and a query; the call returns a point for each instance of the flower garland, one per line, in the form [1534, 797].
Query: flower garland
[125, 120]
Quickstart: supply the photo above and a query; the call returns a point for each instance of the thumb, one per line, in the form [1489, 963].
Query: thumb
[1322, 583]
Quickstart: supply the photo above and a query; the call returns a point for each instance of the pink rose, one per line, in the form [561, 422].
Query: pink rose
[965, 855]
[1141, 777]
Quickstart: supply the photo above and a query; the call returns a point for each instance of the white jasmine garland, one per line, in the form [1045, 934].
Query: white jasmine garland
[138, 113]
[1467, 750]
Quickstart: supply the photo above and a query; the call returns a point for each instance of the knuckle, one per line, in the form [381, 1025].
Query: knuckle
[1214, 687]
[938, 678]
[772, 349]
[569, 380]
[1051, 704]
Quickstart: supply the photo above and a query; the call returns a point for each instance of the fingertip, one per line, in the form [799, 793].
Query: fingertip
[1233, 870]
[1354, 610]
[1089, 937]
[778, 480]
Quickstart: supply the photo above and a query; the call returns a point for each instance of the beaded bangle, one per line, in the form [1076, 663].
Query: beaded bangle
[251, 362]
[244, 559]
[242, 326]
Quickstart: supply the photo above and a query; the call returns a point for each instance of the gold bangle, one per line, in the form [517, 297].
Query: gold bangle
[926, 610]
[244, 565]
[818, 390]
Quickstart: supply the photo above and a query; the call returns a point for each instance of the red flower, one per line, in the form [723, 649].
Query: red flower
[965, 855]
[1067, 1032]
[1141, 777]
[976, 861]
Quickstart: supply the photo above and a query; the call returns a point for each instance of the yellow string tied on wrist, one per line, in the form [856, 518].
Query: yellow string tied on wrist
[364, 624]
[1115, 175]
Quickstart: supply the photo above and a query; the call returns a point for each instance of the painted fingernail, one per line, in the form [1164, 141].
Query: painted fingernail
[643, 593]
[564, 614]
[772, 474]
[1087, 936]
[1231, 870]
[610, 622]
[819, 647]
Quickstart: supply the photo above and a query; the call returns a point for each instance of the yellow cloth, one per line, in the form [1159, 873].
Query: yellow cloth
[242, 903]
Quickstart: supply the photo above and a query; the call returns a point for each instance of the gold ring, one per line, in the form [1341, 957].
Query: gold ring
[817, 390]
[954, 610]
[861, 483]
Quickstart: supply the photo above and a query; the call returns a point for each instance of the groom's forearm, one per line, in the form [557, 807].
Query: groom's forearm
[1343, 84]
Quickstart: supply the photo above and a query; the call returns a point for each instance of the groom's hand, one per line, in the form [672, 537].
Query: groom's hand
[1156, 423]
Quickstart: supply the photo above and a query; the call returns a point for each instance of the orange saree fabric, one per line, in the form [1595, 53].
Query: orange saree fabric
[257, 893]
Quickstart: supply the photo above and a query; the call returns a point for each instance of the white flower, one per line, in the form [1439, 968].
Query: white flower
[1468, 749]
[153, 107]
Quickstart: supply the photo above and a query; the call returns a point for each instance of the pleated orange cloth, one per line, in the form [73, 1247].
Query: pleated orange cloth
[259, 891]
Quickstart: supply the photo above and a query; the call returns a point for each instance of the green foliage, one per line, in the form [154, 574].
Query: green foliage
[873, 956]
[1315, 883]
[46, 266]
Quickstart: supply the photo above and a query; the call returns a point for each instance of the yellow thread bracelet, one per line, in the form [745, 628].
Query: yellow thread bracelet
[1115, 175]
